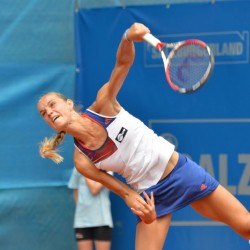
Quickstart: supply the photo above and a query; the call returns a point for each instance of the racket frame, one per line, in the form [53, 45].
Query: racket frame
[155, 42]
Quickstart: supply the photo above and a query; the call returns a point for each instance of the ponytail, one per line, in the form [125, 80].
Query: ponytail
[48, 147]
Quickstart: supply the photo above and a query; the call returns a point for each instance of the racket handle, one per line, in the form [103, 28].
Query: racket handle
[151, 40]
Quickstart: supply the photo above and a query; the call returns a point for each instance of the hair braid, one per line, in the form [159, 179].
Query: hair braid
[48, 147]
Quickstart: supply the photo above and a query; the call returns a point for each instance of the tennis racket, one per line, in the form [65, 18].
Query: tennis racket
[188, 65]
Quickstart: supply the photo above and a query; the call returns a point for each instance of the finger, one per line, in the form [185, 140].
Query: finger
[146, 197]
[150, 200]
[152, 197]
[137, 212]
[142, 208]
[141, 200]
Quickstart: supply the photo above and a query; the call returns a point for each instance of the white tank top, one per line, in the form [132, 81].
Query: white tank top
[135, 151]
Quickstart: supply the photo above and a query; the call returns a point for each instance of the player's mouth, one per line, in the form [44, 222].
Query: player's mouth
[55, 118]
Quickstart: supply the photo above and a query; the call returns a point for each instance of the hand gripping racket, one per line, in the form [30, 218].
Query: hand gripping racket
[188, 65]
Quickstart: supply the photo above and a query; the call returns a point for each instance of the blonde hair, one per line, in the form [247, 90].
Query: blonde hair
[48, 147]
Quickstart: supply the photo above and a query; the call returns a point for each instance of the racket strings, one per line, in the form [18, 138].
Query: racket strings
[188, 65]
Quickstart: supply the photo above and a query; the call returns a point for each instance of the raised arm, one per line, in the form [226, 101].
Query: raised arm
[106, 102]
[125, 57]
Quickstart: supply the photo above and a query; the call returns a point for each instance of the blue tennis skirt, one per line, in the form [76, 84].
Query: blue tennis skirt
[187, 182]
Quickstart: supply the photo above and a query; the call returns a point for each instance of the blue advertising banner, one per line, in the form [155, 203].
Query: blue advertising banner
[211, 126]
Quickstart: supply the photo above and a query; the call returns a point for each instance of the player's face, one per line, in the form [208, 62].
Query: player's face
[55, 111]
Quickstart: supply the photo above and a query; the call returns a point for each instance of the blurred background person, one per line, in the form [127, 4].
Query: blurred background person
[93, 222]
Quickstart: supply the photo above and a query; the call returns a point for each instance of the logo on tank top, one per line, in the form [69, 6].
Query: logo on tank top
[121, 134]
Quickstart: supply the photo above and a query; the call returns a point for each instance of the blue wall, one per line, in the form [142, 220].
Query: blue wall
[37, 55]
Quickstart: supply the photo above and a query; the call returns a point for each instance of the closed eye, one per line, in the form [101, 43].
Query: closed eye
[52, 104]
[42, 113]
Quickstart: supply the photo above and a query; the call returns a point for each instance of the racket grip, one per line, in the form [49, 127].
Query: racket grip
[151, 40]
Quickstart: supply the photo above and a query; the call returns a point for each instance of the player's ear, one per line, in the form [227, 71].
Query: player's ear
[70, 103]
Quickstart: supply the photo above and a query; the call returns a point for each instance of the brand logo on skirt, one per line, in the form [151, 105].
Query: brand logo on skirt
[203, 187]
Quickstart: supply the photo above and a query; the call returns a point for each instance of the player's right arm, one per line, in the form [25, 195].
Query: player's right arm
[133, 200]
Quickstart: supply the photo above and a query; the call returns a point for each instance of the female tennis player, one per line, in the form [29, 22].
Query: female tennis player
[160, 180]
